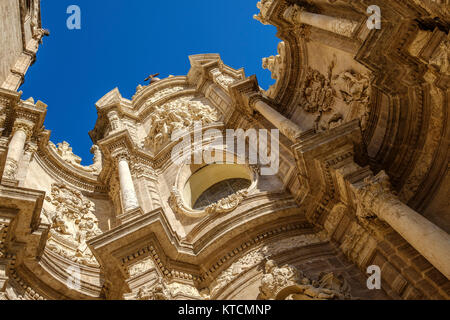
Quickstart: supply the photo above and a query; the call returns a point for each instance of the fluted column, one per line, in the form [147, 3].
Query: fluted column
[375, 197]
[286, 126]
[298, 16]
[21, 132]
[127, 190]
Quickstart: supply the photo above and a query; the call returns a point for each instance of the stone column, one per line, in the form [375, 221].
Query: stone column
[21, 132]
[375, 197]
[286, 126]
[298, 16]
[129, 197]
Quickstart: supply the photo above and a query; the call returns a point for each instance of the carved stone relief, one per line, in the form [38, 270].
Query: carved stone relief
[224, 205]
[222, 79]
[441, 58]
[160, 290]
[257, 256]
[289, 283]
[160, 94]
[141, 267]
[72, 223]
[335, 99]
[178, 114]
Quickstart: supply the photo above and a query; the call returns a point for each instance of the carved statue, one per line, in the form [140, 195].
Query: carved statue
[72, 222]
[290, 284]
[177, 115]
[64, 151]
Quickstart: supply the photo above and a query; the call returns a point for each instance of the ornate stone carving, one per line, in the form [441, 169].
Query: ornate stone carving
[25, 126]
[141, 267]
[257, 256]
[320, 95]
[115, 121]
[179, 114]
[161, 94]
[156, 291]
[222, 206]
[222, 79]
[73, 222]
[160, 290]
[64, 151]
[441, 58]
[354, 89]
[277, 66]
[292, 14]
[263, 6]
[375, 189]
[176, 288]
[289, 283]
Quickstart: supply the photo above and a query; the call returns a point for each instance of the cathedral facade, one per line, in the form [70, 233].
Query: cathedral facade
[331, 184]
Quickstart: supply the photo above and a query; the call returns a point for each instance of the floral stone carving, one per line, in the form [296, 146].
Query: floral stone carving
[288, 283]
[73, 223]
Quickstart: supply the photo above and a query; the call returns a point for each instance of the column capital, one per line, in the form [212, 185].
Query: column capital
[293, 14]
[23, 125]
[120, 155]
[371, 192]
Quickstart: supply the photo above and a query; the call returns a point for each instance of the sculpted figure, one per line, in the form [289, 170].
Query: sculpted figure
[174, 116]
[289, 283]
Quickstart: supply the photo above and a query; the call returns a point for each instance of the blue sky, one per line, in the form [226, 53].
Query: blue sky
[122, 41]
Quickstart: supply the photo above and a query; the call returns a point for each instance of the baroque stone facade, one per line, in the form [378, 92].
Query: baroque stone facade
[362, 181]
